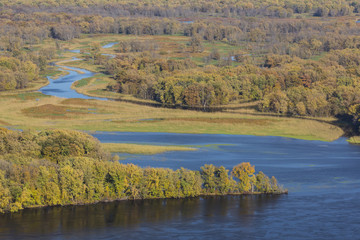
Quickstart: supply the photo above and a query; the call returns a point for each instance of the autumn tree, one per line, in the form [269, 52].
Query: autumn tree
[195, 44]
[244, 172]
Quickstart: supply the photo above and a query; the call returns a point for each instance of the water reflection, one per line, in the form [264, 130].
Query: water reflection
[130, 215]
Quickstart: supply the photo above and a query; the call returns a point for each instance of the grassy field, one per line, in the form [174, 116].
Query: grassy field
[38, 111]
[142, 149]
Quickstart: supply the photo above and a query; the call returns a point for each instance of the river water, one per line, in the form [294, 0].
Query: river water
[323, 179]
[61, 87]
[323, 201]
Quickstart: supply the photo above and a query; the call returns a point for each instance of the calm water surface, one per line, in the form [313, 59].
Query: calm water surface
[61, 87]
[323, 202]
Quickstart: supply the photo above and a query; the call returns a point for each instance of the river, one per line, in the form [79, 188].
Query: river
[61, 87]
[323, 202]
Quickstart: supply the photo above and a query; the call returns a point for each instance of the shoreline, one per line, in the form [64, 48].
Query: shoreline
[285, 192]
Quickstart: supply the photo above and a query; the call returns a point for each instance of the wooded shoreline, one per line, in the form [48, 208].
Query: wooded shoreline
[136, 199]
[59, 167]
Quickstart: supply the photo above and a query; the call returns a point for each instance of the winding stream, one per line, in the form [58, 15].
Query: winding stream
[61, 87]
[323, 179]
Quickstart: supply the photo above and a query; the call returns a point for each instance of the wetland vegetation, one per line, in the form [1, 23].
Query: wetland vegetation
[220, 67]
[251, 70]
[142, 148]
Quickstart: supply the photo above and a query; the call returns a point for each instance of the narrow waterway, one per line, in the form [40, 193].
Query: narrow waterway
[61, 87]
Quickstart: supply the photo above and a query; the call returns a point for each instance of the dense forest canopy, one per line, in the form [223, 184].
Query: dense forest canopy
[186, 8]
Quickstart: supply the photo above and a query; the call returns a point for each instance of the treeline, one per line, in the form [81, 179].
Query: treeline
[295, 37]
[61, 167]
[284, 84]
[188, 8]
[20, 63]
[16, 74]
[34, 27]
[323, 88]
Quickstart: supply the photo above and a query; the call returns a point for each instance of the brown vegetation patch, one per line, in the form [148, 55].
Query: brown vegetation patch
[53, 112]
[4, 123]
[78, 101]
[261, 122]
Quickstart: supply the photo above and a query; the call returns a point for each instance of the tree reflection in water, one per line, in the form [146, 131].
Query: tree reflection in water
[130, 215]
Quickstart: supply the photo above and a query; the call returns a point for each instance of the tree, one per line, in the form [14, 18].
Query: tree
[244, 172]
[208, 177]
[195, 44]
[58, 144]
[224, 183]
[263, 183]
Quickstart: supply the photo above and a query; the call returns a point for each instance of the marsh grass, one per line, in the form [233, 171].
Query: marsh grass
[53, 112]
[82, 82]
[28, 96]
[142, 149]
[50, 111]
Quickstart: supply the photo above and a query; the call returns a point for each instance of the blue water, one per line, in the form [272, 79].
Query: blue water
[74, 51]
[323, 201]
[110, 45]
[273, 155]
[61, 87]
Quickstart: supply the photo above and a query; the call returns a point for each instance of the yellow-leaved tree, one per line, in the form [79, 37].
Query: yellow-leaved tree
[245, 173]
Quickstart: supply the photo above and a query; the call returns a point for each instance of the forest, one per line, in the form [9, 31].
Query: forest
[63, 167]
[188, 8]
[304, 62]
